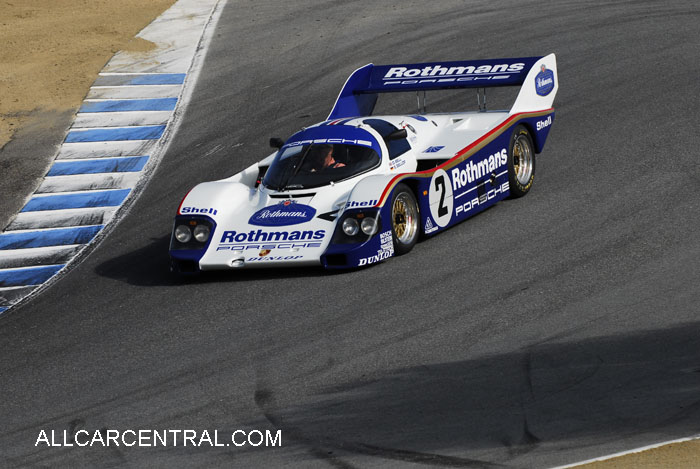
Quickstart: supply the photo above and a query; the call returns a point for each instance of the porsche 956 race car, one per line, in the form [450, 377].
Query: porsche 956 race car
[358, 189]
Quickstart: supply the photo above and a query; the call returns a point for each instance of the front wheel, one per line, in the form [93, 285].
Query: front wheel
[521, 162]
[404, 219]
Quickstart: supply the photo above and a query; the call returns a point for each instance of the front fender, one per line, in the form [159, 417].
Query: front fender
[368, 191]
[217, 199]
[363, 199]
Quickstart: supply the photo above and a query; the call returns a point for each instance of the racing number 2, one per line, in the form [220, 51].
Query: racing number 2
[440, 188]
[440, 198]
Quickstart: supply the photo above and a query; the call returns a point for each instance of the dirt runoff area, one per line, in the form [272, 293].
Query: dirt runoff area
[52, 50]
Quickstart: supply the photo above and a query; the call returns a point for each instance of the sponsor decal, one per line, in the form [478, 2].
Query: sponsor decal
[434, 149]
[482, 199]
[284, 213]
[386, 240]
[472, 172]
[544, 81]
[274, 258]
[259, 236]
[451, 72]
[396, 163]
[191, 210]
[265, 252]
[406, 125]
[266, 246]
[440, 198]
[364, 203]
[447, 80]
[333, 135]
[429, 226]
[440, 74]
[545, 123]
[385, 251]
[347, 141]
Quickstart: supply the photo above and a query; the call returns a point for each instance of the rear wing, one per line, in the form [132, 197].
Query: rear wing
[537, 77]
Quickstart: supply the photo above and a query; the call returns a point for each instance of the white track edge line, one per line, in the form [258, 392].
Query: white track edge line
[99, 87]
[39, 250]
[41, 195]
[33, 230]
[631, 451]
[85, 129]
[30, 267]
[2, 289]
[77, 160]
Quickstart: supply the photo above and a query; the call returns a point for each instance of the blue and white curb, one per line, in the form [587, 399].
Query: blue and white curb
[118, 136]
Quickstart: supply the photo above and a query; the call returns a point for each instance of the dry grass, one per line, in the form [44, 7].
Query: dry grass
[52, 50]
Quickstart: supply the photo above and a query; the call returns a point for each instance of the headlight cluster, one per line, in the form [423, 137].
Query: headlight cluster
[352, 226]
[357, 227]
[191, 233]
[184, 233]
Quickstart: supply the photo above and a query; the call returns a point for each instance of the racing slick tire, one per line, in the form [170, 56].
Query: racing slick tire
[521, 162]
[405, 219]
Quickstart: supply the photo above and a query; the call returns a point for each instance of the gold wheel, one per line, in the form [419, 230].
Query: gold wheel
[399, 218]
[404, 220]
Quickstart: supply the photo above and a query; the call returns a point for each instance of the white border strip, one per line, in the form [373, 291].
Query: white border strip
[631, 451]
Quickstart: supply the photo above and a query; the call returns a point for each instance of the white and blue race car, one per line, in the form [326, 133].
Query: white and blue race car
[357, 189]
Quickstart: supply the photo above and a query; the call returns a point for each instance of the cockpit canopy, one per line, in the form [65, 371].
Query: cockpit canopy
[322, 155]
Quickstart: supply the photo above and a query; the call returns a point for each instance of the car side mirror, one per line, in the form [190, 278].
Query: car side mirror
[397, 135]
[276, 142]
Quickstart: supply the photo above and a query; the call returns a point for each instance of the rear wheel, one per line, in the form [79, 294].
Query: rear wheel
[404, 219]
[521, 162]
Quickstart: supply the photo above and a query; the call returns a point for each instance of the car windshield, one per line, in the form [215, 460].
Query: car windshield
[314, 165]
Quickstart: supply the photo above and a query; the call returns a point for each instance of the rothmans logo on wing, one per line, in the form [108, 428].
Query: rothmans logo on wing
[284, 213]
[438, 71]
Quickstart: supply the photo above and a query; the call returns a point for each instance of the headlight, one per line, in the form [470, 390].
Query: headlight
[201, 233]
[192, 233]
[183, 233]
[350, 226]
[369, 226]
[357, 226]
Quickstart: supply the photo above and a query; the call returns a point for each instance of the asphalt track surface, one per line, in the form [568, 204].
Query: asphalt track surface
[546, 330]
